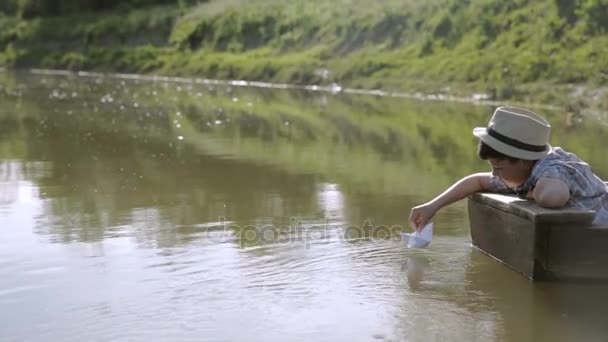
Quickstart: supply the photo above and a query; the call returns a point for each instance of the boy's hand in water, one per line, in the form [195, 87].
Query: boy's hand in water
[421, 215]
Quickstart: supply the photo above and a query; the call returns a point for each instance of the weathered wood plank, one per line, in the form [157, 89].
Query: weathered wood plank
[533, 212]
[508, 238]
[540, 243]
[576, 252]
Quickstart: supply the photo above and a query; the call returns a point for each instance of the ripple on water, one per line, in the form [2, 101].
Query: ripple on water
[45, 270]
[18, 290]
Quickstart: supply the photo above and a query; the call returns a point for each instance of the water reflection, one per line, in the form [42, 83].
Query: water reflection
[415, 266]
[280, 208]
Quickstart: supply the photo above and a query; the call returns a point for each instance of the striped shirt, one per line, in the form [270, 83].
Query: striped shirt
[587, 191]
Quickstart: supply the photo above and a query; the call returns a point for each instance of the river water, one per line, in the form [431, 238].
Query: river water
[158, 210]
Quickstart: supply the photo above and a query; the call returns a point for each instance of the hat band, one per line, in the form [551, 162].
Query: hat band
[515, 143]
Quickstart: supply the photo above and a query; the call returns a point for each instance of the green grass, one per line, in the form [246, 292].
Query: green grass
[503, 48]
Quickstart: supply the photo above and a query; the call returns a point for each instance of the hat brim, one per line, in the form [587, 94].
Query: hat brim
[508, 150]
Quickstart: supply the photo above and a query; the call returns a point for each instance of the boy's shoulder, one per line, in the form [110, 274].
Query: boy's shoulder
[567, 167]
[557, 156]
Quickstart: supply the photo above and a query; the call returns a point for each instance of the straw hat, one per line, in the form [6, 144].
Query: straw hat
[516, 132]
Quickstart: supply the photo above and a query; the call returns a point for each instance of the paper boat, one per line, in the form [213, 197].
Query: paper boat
[419, 239]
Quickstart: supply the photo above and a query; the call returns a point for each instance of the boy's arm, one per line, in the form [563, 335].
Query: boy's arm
[463, 189]
[422, 214]
[551, 193]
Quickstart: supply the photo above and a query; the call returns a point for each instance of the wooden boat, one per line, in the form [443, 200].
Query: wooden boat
[541, 244]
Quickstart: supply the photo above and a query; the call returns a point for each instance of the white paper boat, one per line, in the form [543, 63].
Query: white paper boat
[419, 239]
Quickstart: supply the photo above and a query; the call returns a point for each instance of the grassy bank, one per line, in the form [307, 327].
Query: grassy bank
[550, 51]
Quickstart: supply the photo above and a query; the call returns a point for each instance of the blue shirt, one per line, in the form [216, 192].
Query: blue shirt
[587, 191]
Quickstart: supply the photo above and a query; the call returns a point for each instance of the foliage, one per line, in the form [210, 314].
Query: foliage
[50, 8]
[488, 44]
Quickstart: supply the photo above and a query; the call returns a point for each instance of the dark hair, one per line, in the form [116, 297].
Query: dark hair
[485, 152]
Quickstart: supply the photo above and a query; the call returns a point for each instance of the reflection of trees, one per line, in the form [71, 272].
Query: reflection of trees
[386, 135]
[113, 158]
[11, 149]
[115, 167]
[104, 180]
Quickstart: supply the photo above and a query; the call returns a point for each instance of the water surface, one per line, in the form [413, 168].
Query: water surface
[133, 210]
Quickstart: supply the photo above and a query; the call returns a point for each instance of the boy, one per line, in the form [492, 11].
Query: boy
[516, 144]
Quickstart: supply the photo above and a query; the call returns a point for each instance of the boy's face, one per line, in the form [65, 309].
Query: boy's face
[513, 174]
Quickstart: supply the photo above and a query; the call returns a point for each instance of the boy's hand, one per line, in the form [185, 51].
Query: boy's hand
[421, 215]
